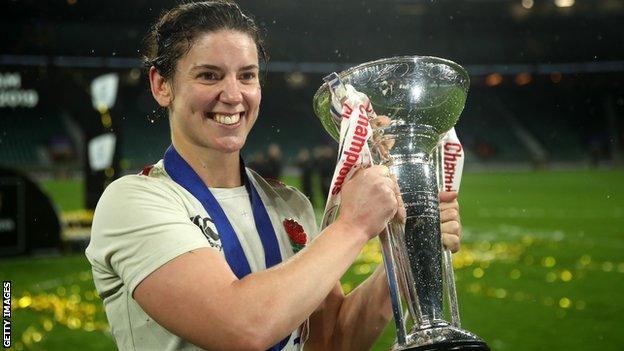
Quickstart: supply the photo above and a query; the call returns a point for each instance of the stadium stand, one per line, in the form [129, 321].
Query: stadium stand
[25, 137]
[566, 127]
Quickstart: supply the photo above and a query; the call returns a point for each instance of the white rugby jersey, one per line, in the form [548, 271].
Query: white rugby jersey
[143, 221]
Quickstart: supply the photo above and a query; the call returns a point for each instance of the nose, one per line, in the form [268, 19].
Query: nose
[231, 93]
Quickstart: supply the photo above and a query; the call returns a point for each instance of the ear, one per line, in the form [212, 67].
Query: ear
[161, 89]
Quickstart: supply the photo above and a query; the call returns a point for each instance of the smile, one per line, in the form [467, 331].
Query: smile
[227, 119]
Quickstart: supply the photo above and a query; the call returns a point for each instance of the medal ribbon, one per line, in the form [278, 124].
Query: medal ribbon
[182, 173]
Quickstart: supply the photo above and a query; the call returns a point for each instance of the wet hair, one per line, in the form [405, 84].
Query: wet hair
[175, 32]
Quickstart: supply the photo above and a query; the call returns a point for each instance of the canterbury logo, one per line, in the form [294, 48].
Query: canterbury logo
[202, 223]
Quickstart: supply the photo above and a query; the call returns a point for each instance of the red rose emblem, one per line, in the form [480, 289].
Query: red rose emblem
[297, 235]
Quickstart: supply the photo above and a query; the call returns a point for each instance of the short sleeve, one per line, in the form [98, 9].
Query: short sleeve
[301, 207]
[139, 225]
[306, 211]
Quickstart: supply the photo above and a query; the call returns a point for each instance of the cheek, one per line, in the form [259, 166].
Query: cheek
[254, 97]
[198, 98]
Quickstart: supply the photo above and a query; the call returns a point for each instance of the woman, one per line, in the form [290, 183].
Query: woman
[195, 251]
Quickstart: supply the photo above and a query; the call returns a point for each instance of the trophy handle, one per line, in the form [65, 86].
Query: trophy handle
[449, 276]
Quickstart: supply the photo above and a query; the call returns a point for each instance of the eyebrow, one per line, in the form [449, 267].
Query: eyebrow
[217, 68]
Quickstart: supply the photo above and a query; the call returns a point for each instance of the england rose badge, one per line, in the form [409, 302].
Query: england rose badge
[296, 234]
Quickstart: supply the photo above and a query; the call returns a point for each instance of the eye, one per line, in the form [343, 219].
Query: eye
[208, 75]
[248, 76]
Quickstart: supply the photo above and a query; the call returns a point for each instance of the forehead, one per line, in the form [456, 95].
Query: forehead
[226, 48]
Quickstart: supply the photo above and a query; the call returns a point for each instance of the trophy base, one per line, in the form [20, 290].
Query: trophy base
[442, 337]
[450, 346]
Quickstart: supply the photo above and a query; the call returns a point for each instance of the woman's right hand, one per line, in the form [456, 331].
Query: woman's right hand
[370, 199]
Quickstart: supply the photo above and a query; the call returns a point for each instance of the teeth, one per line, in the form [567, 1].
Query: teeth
[227, 119]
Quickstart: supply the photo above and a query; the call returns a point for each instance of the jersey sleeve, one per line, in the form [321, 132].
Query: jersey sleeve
[307, 212]
[138, 227]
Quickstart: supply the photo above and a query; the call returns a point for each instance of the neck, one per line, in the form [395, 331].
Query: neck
[216, 169]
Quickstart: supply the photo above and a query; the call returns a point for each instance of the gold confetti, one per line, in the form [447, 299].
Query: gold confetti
[527, 240]
[478, 272]
[474, 288]
[75, 289]
[73, 323]
[24, 301]
[47, 325]
[551, 277]
[36, 336]
[566, 275]
[89, 326]
[500, 293]
[85, 276]
[362, 269]
[564, 302]
[607, 266]
[549, 262]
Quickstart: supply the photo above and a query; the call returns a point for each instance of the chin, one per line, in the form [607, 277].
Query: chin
[229, 146]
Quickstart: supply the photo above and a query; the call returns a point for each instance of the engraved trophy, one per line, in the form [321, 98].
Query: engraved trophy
[423, 97]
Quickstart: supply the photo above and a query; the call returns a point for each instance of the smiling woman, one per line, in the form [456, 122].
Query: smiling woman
[199, 251]
[213, 97]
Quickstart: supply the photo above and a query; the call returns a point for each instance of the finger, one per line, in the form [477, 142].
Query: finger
[448, 205]
[451, 228]
[451, 214]
[401, 213]
[389, 194]
[451, 242]
[447, 196]
[378, 135]
[395, 188]
[380, 122]
[358, 170]
[388, 143]
[382, 170]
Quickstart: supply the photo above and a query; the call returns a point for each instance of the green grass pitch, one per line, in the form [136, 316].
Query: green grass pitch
[541, 268]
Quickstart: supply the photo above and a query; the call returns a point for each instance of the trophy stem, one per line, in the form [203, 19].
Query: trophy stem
[395, 297]
[450, 288]
[407, 280]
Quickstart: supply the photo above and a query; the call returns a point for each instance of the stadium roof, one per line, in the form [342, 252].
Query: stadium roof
[473, 32]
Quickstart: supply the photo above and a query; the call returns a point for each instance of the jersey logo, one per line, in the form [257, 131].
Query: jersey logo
[146, 170]
[211, 235]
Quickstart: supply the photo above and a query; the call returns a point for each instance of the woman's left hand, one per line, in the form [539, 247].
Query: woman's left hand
[450, 223]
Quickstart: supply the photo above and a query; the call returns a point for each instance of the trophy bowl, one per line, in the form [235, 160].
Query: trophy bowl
[424, 97]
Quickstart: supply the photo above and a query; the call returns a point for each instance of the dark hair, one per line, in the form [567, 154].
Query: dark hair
[173, 35]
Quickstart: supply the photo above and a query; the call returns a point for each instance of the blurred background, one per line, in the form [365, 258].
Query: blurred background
[541, 265]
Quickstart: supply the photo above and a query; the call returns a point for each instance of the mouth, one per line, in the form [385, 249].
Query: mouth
[225, 118]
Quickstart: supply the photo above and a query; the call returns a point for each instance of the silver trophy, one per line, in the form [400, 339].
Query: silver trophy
[424, 97]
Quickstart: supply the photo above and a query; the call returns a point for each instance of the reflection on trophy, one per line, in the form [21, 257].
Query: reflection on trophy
[423, 97]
